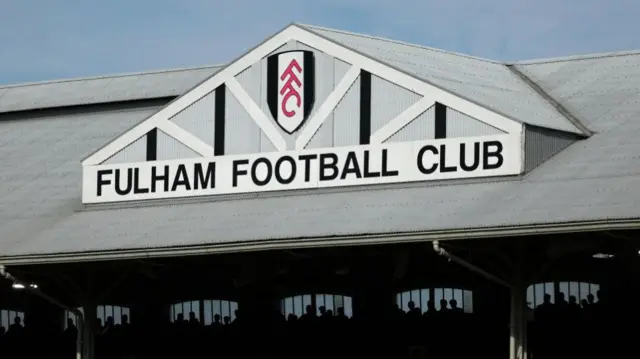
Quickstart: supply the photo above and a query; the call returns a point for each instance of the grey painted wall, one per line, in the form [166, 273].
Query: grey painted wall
[541, 144]
[135, 152]
[458, 125]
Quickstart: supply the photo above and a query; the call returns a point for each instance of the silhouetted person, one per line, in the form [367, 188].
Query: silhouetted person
[573, 308]
[124, 320]
[561, 310]
[454, 307]
[561, 301]
[340, 316]
[543, 312]
[227, 320]
[431, 308]
[193, 321]
[217, 321]
[584, 303]
[238, 317]
[444, 306]
[600, 300]
[309, 314]
[16, 327]
[586, 309]
[414, 312]
[69, 337]
[125, 334]
[71, 331]
[108, 325]
[325, 315]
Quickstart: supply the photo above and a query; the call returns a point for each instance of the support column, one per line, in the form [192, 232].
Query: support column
[373, 301]
[519, 322]
[518, 288]
[256, 302]
[372, 304]
[89, 331]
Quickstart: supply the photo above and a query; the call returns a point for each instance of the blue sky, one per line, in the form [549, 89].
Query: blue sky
[44, 40]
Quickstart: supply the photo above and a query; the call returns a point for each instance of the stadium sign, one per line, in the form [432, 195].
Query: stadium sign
[322, 168]
[300, 112]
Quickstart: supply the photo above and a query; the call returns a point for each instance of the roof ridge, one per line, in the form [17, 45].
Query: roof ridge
[105, 77]
[522, 62]
[592, 56]
[423, 47]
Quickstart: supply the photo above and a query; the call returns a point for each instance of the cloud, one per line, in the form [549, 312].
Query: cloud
[46, 40]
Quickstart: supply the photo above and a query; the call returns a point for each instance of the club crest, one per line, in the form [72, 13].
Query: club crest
[290, 88]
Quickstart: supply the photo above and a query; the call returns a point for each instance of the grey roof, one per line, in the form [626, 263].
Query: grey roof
[40, 177]
[486, 82]
[595, 179]
[96, 90]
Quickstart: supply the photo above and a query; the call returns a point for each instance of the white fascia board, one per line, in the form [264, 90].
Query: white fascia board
[535, 230]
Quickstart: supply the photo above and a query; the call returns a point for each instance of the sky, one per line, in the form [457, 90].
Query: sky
[46, 40]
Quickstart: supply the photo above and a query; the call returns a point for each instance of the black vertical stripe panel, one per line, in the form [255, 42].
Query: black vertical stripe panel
[309, 73]
[441, 120]
[219, 120]
[272, 85]
[152, 145]
[365, 107]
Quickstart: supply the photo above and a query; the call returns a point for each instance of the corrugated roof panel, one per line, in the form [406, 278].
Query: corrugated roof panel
[485, 82]
[350, 213]
[41, 174]
[601, 91]
[101, 90]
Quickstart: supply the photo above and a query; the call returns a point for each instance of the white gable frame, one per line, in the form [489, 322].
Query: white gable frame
[293, 32]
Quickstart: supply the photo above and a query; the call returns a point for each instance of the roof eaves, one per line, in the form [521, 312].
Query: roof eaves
[315, 242]
[109, 77]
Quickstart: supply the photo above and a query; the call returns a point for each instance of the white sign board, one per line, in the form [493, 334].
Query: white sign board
[430, 160]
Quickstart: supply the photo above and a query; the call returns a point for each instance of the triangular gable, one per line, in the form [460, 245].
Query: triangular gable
[358, 111]
[430, 95]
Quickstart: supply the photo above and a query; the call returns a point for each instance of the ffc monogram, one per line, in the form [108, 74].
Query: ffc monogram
[290, 88]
